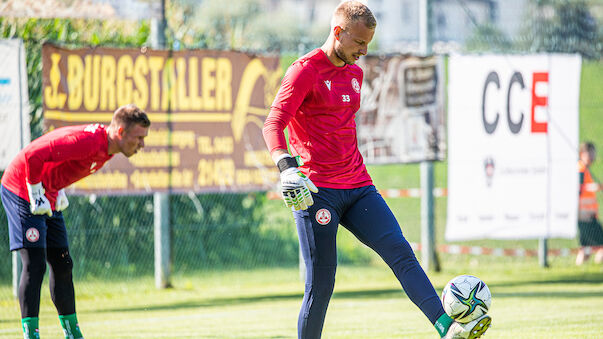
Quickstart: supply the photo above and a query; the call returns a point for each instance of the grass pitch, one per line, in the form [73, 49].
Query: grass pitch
[563, 301]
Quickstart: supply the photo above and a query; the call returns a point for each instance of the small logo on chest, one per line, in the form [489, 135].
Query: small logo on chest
[328, 83]
[355, 85]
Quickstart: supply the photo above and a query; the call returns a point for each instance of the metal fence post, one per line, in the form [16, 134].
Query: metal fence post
[17, 267]
[428, 254]
[543, 252]
[16, 257]
[161, 201]
[162, 240]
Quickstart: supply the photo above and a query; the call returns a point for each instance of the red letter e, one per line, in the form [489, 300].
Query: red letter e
[539, 127]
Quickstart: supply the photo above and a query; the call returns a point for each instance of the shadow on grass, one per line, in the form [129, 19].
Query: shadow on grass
[217, 302]
[580, 279]
[247, 337]
[209, 302]
[399, 293]
[556, 294]
[389, 293]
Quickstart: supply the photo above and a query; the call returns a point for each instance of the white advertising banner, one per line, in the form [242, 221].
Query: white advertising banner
[14, 100]
[513, 146]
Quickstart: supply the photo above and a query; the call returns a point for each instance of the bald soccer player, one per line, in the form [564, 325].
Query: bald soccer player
[317, 102]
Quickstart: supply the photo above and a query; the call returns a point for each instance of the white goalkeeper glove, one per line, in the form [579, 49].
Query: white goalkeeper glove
[38, 202]
[62, 203]
[296, 187]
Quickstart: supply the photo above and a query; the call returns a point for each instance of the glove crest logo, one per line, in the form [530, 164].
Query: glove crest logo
[32, 234]
[323, 216]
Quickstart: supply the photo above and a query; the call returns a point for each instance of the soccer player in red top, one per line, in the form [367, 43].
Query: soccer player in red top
[33, 197]
[317, 102]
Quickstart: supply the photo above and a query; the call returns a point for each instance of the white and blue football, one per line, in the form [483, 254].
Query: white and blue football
[466, 298]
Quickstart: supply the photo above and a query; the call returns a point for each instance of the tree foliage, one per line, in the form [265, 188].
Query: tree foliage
[563, 26]
[243, 25]
[488, 37]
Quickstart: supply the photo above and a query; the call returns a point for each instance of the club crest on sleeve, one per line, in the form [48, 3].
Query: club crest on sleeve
[32, 234]
[323, 216]
[356, 85]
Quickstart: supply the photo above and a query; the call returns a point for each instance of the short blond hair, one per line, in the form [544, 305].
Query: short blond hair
[128, 115]
[352, 11]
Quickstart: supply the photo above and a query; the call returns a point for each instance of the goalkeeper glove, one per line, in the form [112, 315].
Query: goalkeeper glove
[295, 185]
[62, 203]
[38, 202]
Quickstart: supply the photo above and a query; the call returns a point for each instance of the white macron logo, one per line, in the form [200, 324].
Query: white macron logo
[328, 83]
[92, 128]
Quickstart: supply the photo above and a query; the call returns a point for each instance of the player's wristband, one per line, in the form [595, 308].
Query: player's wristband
[286, 162]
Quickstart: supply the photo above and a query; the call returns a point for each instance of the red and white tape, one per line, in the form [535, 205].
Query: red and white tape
[459, 249]
[504, 252]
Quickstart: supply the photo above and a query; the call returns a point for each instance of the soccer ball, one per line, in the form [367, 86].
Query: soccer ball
[466, 298]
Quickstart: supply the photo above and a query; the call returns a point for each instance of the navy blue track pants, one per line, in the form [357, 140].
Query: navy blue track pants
[26, 230]
[364, 213]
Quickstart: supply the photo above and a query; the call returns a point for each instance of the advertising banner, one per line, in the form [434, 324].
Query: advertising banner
[513, 146]
[401, 117]
[14, 100]
[206, 108]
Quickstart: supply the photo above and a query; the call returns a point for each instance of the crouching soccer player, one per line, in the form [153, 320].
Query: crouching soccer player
[317, 101]
[33, 197]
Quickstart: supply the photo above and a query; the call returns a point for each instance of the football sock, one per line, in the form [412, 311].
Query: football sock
[30, 328]
[70, 326]
[442, 324]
